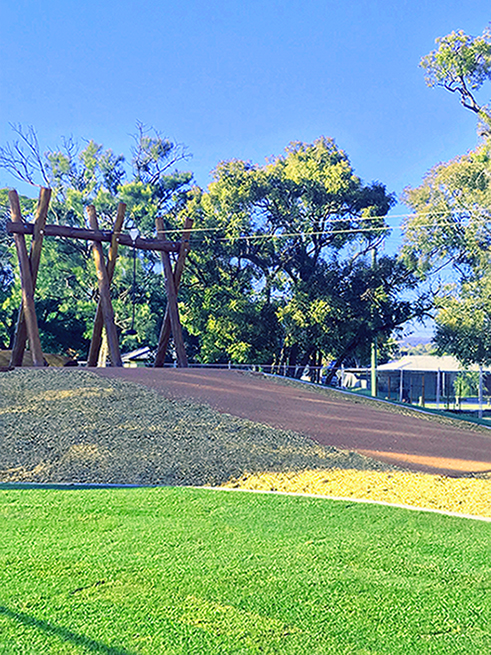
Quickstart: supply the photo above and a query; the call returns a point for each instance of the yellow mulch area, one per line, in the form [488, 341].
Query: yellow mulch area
[461, 495]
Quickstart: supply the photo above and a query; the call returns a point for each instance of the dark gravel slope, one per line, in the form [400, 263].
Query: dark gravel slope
[65, 425]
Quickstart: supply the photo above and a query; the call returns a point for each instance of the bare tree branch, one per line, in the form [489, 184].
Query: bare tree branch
[23, 159]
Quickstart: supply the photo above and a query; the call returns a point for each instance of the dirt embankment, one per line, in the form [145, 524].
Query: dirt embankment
[387, 433]
[51, 360]
[62, 425]
[73, 426]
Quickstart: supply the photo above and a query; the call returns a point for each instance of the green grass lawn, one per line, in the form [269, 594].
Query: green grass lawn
[190, 571]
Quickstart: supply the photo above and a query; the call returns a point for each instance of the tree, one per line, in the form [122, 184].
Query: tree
[66, 288]
[464, 322]
[10, 295]
[222, 310]
[295, 237]
[345, 306]
[450, 227]
[451, 221]
[450, 230]
[280, 271]
[461, 64]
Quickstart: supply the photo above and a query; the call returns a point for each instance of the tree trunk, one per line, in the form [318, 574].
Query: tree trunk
[333, 370]
[303, 363]
[292, 361]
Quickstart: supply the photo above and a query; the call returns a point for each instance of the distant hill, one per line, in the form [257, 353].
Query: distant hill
[416, 346]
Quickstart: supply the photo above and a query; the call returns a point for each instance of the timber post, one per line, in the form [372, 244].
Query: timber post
[172, 310]
[20, 335]
[95, 343]
[166, 329]
[27, 285]
[85, 234]
[105, 293]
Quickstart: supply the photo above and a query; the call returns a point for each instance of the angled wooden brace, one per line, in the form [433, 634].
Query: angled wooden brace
[96, 341]
[166, 329]
[105, 293]
[20, 335]
[171, 323]
[27, 282]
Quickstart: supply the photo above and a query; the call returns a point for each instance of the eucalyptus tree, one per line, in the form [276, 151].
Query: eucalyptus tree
[461, 64]
[297, 234]
[450, 230]
[450, 226]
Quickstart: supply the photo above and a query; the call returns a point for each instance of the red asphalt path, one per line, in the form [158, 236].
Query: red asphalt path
[412, 442]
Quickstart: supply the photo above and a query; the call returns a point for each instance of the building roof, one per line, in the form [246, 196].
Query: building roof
[140, 353]
[446, 363]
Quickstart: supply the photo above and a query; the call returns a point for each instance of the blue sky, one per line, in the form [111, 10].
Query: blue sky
[233, 79]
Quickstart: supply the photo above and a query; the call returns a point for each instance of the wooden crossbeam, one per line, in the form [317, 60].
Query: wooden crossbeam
[27, 284]
[105, 293]
[96, 340]
[84, 234]
[167, 329]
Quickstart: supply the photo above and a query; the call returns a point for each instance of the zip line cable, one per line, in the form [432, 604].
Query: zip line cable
[343, 220]
[287, 235]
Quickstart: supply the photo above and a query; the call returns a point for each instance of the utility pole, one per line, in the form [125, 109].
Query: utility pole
[480, 412]
[373, 372]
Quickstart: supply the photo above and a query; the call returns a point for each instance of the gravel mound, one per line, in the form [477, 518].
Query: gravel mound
[72, 426]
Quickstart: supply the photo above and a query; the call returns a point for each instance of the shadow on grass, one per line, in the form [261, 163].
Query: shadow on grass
[64, 634]
[71, 486]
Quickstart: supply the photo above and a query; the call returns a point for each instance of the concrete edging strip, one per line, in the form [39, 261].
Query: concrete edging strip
[412, 508]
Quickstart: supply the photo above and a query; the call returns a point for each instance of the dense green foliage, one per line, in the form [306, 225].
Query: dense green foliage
[466, 384]
[451, 216]
[296, 235]
[126, 571]
[450, 230]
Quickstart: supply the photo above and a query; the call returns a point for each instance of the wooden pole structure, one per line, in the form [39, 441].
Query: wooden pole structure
[94, 235]
[29, 310]
[172, 309]
[27, 327]
[95, 343]
[105, 294]
[166, 329]
[20, 336]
